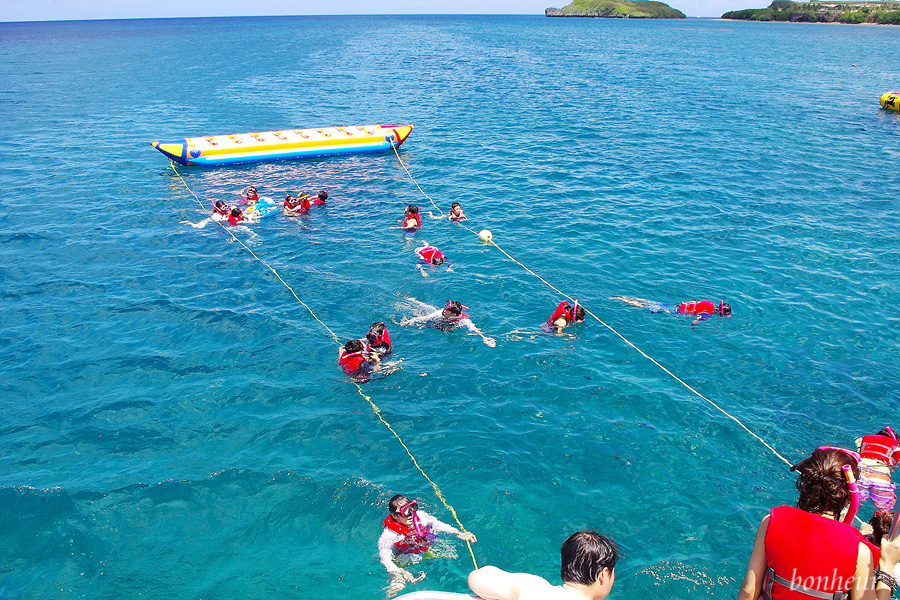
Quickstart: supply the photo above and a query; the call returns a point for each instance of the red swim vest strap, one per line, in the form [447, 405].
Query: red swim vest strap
[396, 527]
[772, 577]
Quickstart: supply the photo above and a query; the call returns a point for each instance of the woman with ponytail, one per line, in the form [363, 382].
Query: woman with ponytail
[807, 553]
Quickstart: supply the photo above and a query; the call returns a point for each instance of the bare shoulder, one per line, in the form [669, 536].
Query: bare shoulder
[492, 583]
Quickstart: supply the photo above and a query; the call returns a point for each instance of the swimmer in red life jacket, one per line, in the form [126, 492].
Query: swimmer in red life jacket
[879, 455]
[378, 340]
[220, 211]
[250, 196]
[407, 538]
[355, 361]
[565, 315]
[296, 206]
[807, 553]
[703, 309]
[411, 220]
[321, 197]
[236, 216]
[429, 255]
[447, 319]
[456, 213]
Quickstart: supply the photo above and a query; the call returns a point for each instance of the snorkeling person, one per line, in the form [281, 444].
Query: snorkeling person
[879, 454]
[378, 340]
[449, 318]
[807, 552]
[407, 538]
[429, 255]
[355, 362]
[296, 206]
[250, 196]
[321, 197]
[456, 213]
[565, 315]
[411, 220]
[220, 211]
[587, 569]
[703, 309]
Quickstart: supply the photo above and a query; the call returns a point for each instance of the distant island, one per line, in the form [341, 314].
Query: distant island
[616, 9]
[821, 12]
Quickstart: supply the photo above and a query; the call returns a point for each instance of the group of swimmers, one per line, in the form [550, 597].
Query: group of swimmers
[810, 552]
[358, 358]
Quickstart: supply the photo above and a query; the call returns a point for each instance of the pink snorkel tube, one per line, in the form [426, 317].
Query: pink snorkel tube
[854, 494]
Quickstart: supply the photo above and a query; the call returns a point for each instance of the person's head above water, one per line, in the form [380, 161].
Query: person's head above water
[402, 508]
[236, 212]
[585, 556]
[724, 308]
[412, 209]
[375, 332]
[353, 346]
[251, 192]
[322, 195]
[822, 487]
[579, 313]
[452, 309]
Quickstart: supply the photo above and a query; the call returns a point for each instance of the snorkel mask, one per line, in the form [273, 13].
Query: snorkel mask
[409, 510]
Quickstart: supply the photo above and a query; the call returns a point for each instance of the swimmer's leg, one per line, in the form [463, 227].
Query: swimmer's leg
[631, 301]
[661, 307]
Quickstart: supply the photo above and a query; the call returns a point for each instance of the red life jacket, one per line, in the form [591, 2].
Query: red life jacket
[235, 220]
[429, 253]
[412, 542]
[697, 308]
[563, 310]
[880, 447]
[810, 556]
[412, 216]
[223, 210]
[351, 362]
[304, 204]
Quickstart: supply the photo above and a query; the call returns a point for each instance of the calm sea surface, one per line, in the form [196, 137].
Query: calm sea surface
[175, 425]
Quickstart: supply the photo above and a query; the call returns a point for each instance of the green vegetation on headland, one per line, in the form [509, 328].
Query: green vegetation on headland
[822, 12]
[616, 9]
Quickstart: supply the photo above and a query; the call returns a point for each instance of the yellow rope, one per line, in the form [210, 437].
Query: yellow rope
[375, 409]
[400, 160]
[626, 340]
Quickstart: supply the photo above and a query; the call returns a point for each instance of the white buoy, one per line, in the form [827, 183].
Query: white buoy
[485, 235]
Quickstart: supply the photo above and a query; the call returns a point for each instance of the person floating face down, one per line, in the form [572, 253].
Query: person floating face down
[704, 309]
[587, 569]
[449, 318]
[565, 315]
[428, 255]
[411, 220]
[407, 536]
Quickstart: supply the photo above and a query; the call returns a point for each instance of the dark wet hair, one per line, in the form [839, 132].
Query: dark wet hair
[726, 309]
[881, 523]
[220, 204]
[353, 346]
[455, 204]
[821, 483]
[437, 260]
[886, 432]
[412, 209]
[236, 212]
[579, 313]
[584, 556]
[322, 195]
[454, 307]
[396, 502]
[252, 188]
[375, 331]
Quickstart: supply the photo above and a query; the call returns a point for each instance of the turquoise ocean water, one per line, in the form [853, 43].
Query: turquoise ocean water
[174, 423]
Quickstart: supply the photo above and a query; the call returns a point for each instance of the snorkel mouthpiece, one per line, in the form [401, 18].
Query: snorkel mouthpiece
[854, 495]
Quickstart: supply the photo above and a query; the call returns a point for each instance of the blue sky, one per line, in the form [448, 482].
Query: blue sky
[55, 10]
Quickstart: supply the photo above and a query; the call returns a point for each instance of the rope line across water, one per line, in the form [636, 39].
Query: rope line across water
[375, 408]
[622, 337]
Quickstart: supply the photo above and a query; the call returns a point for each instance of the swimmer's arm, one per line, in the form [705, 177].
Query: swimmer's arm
[488, 341]
[421, 318]
[492, 583]
[700, 318]
[431, 214]
[386, 550]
